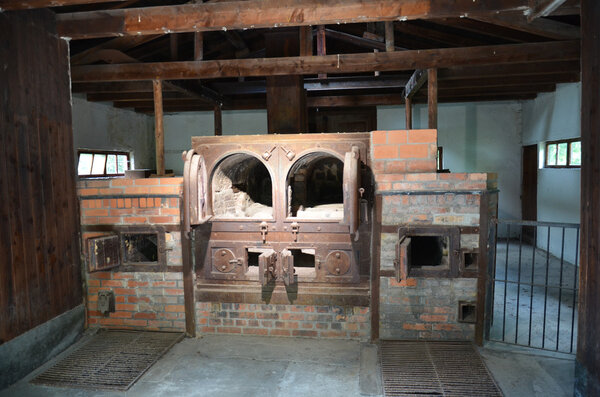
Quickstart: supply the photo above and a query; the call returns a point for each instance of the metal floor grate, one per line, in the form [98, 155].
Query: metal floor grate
[423, 368]
[112, 360]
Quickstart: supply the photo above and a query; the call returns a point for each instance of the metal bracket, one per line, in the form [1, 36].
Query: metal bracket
[295, 230]
[264, 228]
[289, 153]
[268, 153]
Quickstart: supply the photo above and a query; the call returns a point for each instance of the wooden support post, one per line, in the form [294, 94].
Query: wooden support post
[159, 133]
[286, 96]
[432, 97]
[389, 36]
[218, 120]
[198, 46]
[306, 41]
[321, 46]
[408, 105]
[174, 46]
[587, 369]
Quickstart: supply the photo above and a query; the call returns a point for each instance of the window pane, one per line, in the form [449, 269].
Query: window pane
[121, 163]
[98, 164]
[562, 153]
[111, 164]
[551, 155]
[575, 153]
[85, 164]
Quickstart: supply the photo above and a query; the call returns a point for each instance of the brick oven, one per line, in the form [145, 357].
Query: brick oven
[324, 235]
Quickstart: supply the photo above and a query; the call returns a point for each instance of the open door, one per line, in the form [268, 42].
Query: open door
[195, 188]
[402, 258]
[287, 264]
[267, 267]
[351, 186]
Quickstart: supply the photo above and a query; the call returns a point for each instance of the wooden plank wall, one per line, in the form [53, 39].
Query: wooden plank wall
[587, 381]
[39, 251]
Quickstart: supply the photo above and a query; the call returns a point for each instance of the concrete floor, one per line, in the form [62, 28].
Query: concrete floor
[538, 305]
[259, 366]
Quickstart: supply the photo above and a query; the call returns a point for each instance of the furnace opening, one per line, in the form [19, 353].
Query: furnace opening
[314, 187]
[242, 188]
[140, 247]
[428, 252]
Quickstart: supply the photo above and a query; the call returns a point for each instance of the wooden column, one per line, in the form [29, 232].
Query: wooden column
[432, 97]
[174, 46]
[286, 97]
[408, 106]
[321, 46]
[198, 46]
[218, 120]
[306, 41]
[389, 36]
[159, 133]
[587, 372]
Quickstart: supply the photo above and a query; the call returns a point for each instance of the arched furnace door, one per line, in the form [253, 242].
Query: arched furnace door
[351, 186]
[194, 188]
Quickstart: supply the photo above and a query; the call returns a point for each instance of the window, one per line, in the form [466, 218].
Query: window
[93, 163]
[563, 154]
[440, 158]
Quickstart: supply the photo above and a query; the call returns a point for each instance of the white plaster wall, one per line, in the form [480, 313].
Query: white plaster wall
[180, 127]
[553, 116]
[476, 137]
[102, 126]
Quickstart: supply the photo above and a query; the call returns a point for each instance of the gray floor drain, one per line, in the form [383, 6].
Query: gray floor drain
[111, 360]
[422, 368]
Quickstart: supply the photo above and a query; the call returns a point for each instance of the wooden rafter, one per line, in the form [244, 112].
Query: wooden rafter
[416, 81]
[541, 26]
[346, 63]
[252, 14]
[543, 8]
[358, 41]
[29, 4]
[119, 43]
[417, 29]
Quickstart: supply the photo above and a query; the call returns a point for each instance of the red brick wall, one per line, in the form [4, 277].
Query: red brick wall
[401, 151]
[101, 204]
[283, 320]
[148, 301]
[404, 166]
[143, 300]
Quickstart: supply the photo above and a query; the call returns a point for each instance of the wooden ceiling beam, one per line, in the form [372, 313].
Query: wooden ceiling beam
[542, 26]
[126, 86]
[119, 43]
[130, 96]
[327, 101]
[500, 34]
[10, 5]
[254, 14]
[335, 64]
[510, 80]
[506, 89]
[355, 100]
[479, 98]
[517, 69]
[443, 38]
[360, 42]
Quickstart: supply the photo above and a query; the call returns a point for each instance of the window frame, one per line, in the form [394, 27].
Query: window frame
[558, 142]
[106, 153]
